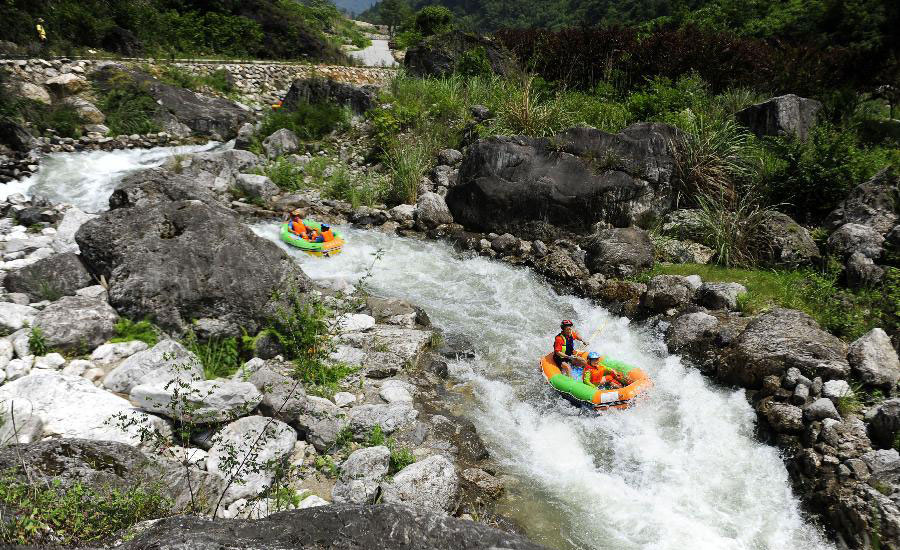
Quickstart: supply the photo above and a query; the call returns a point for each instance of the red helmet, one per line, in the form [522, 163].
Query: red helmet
[566, 323]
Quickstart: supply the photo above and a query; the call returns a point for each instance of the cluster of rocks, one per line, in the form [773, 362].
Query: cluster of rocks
[79, 395]
[866, 233]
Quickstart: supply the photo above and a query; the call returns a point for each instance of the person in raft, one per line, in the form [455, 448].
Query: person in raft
[564, 347]
[296, 224]
[598, 375]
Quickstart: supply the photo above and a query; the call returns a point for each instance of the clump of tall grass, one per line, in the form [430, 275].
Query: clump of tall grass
[733, 224]
[710, 158]
[525, 110]
[407, 162]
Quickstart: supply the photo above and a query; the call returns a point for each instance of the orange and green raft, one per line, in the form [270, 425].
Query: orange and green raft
[323, 249]
[579, 393]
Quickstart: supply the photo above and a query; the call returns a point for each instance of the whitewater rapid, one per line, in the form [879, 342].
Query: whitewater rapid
[682, 470]
[87, 179]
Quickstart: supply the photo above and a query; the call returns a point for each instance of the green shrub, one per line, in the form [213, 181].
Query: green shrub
[283, 173]
[401, 457]
[661, 97]
[303, 331]
[812, 177]
[76, 515]
[37, 343]
[60, 117]
[376, 437]
[309, 122]
[473, 63]
[129, 109]
[433, 20]
[127, 331]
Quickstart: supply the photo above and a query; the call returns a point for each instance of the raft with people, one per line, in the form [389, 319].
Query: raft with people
[312, 237]
[634, 383]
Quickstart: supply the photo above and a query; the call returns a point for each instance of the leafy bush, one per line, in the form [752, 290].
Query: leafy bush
[127, 331]
[75, 515]
[304, 333]
[128, 107]
[217, 80]
[433, 20]
[309, 122]
[474, 62]
[812, 177]
[283, 173]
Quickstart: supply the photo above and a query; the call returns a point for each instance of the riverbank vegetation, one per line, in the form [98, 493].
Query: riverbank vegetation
[258, 29]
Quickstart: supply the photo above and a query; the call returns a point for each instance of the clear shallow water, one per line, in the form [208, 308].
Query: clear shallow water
[87, 179]
[682, 470]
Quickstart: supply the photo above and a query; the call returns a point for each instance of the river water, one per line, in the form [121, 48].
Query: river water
[377, 55]
[680, 471]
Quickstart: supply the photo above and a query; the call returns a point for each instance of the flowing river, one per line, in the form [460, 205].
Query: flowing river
[681, 470]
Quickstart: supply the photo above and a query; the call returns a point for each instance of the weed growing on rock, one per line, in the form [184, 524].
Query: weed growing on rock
[401, 457]
[309, 122]
[128, 330]
[850, 402]
[326, 465]
[128, 107]
[732, 224]
[37, 343]
[73, 515]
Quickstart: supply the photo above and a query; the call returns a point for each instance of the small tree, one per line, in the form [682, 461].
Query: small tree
[434, 20]
[393, 13]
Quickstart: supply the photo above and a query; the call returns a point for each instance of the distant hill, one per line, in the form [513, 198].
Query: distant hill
[354, 6]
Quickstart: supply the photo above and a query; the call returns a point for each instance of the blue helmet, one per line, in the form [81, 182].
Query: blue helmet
[593, 355]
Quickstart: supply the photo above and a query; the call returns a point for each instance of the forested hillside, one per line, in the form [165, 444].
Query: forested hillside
[269, 29]
[865, 23]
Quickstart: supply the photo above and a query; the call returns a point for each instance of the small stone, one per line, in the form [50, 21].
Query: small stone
[52, 361]
[820, 409]
[342, 398]
[77, 367]
[801, 394]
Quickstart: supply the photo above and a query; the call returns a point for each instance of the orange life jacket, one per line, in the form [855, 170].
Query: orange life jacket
[328, 235]
[599, 375]
[298, 227]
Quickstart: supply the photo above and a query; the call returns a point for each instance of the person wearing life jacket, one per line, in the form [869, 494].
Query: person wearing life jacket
[564, 346]
[314, 236]
[327, 233]
[296, 224]
[596, 374]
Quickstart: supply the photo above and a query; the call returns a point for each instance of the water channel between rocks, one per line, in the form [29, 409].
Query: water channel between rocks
[681, 470]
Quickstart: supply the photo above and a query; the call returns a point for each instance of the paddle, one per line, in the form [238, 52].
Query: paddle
[594, 335]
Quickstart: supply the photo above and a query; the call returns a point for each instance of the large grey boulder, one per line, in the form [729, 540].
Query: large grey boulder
[77, 323]
[155, 185]
[19, 422]
[261, 444]
[105, 466]
[885, 423]
[440, 55]
[281, 142]
[15, 136]
[431, 483]
[668, 291]
[874, 360]
[15, 316]
[256, 186]
[282, 397]
[163, 363]
[874, 203]
[619, 252]
[321, 90]
[860, 271]
[781, 116]
[820, 409]
[687, 331]
[71, 406]
[186, 261]
[781, 242]
[559, 265]
[181, 112]
[720, 295]
[685, 223]
[431, 211]
[344, 526]
[505, 182]
[49, 278]
[320, 421]
[778, 340]
[216, 170]
[389, 418]
[64, 240]
[361, 474]
[852, 237]
[198, 401]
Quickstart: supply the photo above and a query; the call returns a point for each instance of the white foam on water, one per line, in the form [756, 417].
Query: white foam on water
[87, 179]
[680, 470]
